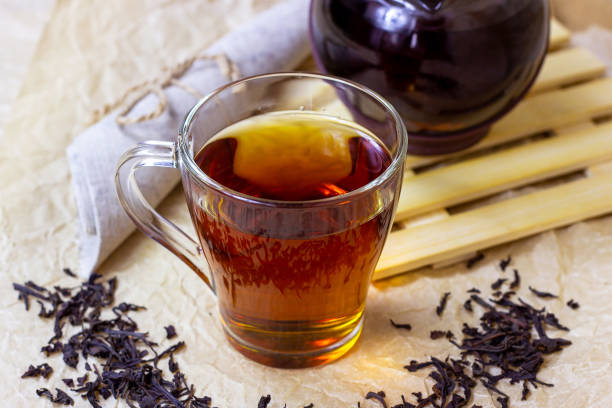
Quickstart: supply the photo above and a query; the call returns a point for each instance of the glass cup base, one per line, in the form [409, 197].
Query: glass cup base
[333, 349]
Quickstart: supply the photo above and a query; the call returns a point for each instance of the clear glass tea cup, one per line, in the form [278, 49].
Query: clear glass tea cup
[291, 277]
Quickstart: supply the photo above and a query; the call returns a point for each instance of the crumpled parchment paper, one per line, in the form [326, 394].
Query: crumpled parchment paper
[579, 15]
[22, 22]
[87, 57]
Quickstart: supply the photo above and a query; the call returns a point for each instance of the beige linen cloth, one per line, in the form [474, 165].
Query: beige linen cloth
[274, 41]
[89, 56]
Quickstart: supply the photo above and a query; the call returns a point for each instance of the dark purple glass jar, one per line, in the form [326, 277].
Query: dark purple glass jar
[450, 67]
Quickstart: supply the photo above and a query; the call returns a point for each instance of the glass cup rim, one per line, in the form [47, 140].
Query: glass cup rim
[189, 162]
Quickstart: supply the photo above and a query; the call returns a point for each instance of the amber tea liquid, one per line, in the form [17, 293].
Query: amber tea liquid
[292, 289]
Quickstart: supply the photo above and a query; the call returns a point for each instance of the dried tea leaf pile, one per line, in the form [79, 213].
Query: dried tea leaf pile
[128, 363]
[510, 344]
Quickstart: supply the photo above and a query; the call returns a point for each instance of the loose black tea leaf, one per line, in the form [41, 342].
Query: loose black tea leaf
[69, 382]
[467, 305]
[378, 396]
[81, 380]
[405, 326]
[573, 304]
[62, 398]
[474, 260]
[423, 402]
[517, 280]
[52, 348]
[203, 402]
[503, 401]
[498, 283]
[474, 290]
[170, 332]
[70, 356]
[43, 392]
[311, 405]
[440, 308]
[503, 264]
[542, 294]
[526, 391]
[43, 370]
[404, 404]
[436, 334]
[503, 297]
[172, 365]
[25, 293]
[264, 401]
[69, 272]
[415, 365]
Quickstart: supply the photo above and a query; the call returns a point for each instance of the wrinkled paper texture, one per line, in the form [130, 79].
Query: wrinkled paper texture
[578, 15]
[87, 57]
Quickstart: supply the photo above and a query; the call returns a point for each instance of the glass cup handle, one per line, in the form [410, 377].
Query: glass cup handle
[149, 221]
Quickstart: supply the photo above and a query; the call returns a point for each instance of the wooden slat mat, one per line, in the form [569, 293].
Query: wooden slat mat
[446, 211]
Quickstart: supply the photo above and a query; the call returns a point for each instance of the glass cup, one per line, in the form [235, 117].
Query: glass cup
[291, 277]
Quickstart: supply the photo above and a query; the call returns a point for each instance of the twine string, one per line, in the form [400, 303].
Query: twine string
[155, 86]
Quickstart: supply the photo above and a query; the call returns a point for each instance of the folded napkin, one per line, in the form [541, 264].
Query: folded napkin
[276, 40]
